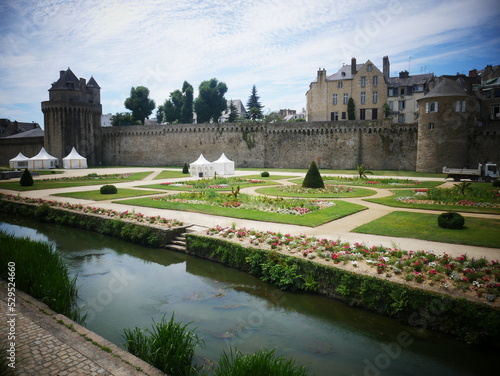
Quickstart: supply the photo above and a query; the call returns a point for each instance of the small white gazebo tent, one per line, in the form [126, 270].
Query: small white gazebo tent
[201, 167]
[223, 166]
[74, 160]
[42, 160]
[21, 161]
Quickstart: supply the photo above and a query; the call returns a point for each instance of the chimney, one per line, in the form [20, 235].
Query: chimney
[83, 84]
[473, 73]
[353, 66]
[61, 73]
[403, 74]
[386, 66]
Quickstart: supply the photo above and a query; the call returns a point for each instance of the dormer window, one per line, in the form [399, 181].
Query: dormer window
[343, 74]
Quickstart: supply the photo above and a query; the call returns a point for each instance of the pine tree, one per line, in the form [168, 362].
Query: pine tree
[313, 178]
[26, 179]
[350, 109]
[254, 108]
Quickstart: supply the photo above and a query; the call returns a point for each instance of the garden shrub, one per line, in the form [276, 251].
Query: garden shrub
[451, 220]
[265, 174]
[108, 190]
[185, 169]
[496, 183]
[313, 178]
[26, 179]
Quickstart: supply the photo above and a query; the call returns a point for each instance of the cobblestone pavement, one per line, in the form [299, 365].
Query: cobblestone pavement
[45, 345]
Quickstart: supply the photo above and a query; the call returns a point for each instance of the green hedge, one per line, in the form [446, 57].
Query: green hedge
[135, 233]
[469, 321]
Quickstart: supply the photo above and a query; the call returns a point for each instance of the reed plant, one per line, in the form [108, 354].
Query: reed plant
[40, 272]
[168, 346]
[261, 362]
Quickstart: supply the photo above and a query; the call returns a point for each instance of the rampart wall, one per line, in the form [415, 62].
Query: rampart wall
[10, 147]
[288, 145]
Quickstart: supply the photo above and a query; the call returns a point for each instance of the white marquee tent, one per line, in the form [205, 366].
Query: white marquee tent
[42, 160]
[21, 161]
[201, 167]
[223, 166]
[74, 160]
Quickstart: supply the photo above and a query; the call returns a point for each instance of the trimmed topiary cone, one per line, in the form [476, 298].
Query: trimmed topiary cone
[185, 169]
[26, 179]
[313, 178]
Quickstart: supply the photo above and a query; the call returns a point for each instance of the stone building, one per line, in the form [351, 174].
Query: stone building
[328, 96]
[72, 117]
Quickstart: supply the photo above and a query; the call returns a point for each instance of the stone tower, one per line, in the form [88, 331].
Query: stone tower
[446, 116]
[72, 118]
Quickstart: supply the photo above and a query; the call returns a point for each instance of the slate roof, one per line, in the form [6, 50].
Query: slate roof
[447, 88]
[37, 132]
[344, 73]
[417, 79]
[92, 82]
[67, 81]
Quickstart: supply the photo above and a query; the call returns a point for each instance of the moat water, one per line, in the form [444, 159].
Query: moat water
[124, 285]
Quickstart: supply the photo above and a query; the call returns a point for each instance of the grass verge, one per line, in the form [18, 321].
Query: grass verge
[312, 219]
[391, 201]
[477, 231]
[97, 196]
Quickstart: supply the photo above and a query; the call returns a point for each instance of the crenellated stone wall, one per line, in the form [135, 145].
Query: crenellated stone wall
[288, 145]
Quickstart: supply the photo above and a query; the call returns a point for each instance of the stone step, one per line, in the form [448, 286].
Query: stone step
[176, 247]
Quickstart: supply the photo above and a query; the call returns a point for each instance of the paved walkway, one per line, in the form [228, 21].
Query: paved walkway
[45, 345]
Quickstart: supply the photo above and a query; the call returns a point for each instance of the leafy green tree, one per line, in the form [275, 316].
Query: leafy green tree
[351, 109]
[313, 178]
[139, 103]
[187, 103]
[172, 108]
[122, 118]
[210, 103]
[273, 117]
[254, 108]
[233, 113]
[159, 115]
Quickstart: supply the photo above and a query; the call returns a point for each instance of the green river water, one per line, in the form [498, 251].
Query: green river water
[123, 285]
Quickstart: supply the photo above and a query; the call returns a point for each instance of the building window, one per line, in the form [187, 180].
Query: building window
[460, 106]
[334, 98]
[363, 81]
[369, 67]
[334, 116]
[363, 97]
[375, 97]
[344, 115]
[401, 105]
[401, 118]
[374, 113]
[418, 88]
[340, 84]
[402, 91]
[345, 99]
[495, 112]
[391, 105]
[431, 126]
[375, 80]
[431, 107]
[362, 114]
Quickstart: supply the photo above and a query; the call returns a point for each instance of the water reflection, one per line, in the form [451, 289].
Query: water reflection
[123, 285]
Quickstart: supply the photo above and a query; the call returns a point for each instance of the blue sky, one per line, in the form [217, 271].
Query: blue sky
[277, 45]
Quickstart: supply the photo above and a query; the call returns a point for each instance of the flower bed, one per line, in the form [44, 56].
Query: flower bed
[243, 201]
[131, 216]
[329, 189]
[479, 277]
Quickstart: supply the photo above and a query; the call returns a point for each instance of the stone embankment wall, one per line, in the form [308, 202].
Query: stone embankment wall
[288, 145]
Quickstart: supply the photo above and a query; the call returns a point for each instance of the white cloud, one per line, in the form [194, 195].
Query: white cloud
[277, 45]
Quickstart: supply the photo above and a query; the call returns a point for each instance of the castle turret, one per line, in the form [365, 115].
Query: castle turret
[72, 117]
[446, 114]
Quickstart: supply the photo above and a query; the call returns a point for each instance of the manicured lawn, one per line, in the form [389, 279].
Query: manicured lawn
[357, 192]
[62, 183]
[312, 219]
[169, 174]
[390, 201]
[350, 172]
[97, 196]
[379, 183]
[477, 231]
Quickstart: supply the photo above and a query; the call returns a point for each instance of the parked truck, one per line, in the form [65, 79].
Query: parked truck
[488, 172]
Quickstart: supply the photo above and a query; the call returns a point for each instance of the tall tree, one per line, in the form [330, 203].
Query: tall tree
[122, 118]
[187, 105]
[139, 103]
[172, 107]
[233, 112]
[351, 109]
[159, 114]
[254, 108]
[210, 103]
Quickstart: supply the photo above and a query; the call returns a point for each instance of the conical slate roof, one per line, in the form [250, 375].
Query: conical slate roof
[68, 80]
[92, 82]
[447, 88]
